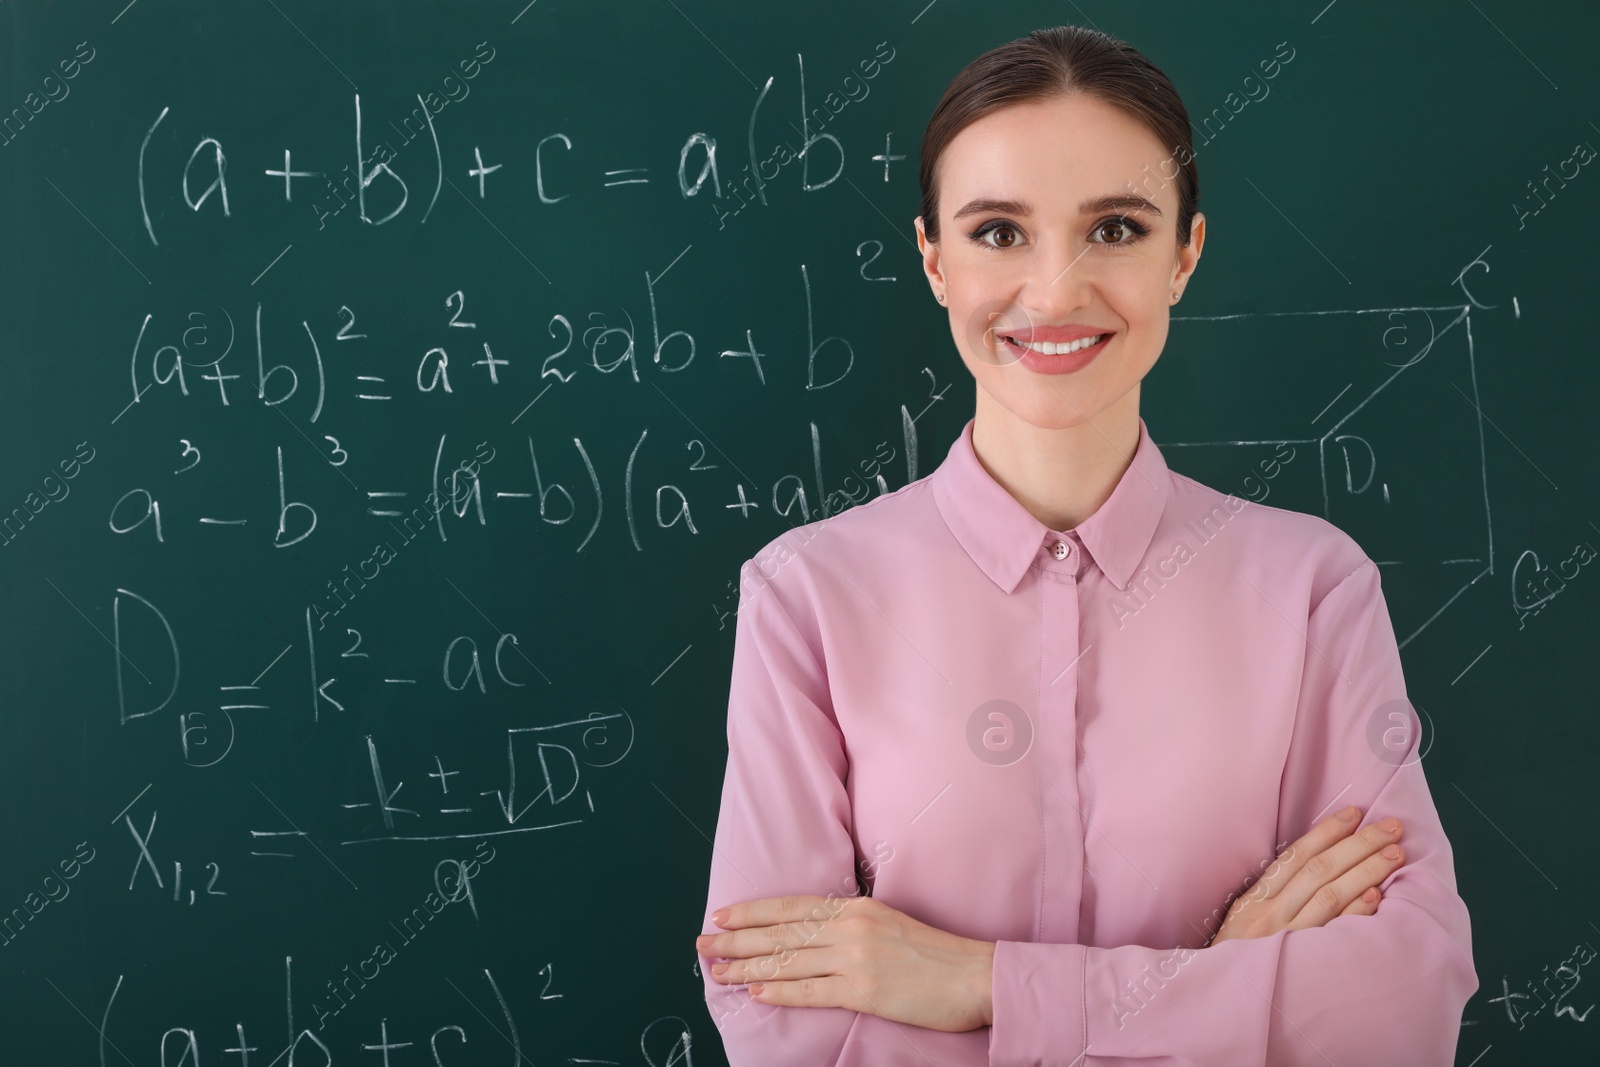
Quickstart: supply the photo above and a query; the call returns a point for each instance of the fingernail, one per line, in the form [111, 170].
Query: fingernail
[719, 916]
[1392, 852]
[756, 987]
[1389, 825]
[1348, 813]
[718, 968]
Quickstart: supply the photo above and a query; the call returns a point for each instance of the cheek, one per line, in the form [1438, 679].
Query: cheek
[1141, 298]
[1144, 343]
[1154, 340]
[1144, 285]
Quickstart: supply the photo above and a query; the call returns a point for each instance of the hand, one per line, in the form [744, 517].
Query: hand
[1325, 874]
[856, 953]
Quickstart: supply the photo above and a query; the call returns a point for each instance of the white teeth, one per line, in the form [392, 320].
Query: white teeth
[1050, 348]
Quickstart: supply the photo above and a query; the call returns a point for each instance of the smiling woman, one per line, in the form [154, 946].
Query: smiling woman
[942, 671]
[1016, 267]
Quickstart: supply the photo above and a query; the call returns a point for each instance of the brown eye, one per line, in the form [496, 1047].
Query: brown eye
[1109, 229]
[1006, 235]
[1130, 231]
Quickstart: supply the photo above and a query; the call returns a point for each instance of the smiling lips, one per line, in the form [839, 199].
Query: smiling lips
[1056, 340]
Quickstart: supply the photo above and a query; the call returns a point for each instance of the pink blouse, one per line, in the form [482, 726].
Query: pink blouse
[1078, 745]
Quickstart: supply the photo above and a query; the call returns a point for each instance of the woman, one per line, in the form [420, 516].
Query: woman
[1054, 705]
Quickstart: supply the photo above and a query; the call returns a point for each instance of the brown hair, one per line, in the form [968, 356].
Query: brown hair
[1055, 61]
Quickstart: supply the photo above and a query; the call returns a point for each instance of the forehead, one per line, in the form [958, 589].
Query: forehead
[1054, 153]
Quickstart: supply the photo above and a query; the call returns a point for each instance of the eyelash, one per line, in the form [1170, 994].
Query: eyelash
[1137, 228]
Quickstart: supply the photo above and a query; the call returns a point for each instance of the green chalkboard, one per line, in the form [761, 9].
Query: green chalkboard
[391, 393]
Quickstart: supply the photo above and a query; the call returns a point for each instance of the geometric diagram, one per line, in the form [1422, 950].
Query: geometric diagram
[1378, 412]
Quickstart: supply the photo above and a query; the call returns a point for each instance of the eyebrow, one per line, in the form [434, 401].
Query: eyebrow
[1093, 206]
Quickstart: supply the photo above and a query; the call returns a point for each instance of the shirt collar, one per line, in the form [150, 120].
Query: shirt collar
[1003, 537]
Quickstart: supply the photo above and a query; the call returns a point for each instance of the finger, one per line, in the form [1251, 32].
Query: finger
[769, 911]
[1365, 904]
[830, 991]
[752, 941]
[1335, 896]
[802, 908]
[759, 915]
[785, 966]
[1321, 837]
[1320, 870]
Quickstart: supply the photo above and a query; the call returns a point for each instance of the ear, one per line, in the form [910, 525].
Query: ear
[1189, 255]
[930, 258]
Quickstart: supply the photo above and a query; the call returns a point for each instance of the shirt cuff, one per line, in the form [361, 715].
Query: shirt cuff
[1038, 1003]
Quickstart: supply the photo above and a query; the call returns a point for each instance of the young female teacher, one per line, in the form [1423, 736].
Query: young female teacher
[1015, 751]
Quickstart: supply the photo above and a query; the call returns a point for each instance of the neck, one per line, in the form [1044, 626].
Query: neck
[1061, 476]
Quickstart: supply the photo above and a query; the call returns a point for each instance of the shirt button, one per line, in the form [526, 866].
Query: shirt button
[1061, 550]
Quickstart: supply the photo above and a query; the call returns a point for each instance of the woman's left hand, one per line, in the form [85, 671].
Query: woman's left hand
[857, 953]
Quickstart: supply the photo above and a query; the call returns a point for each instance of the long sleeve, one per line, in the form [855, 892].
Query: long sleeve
[784, 822]
[1387, 988]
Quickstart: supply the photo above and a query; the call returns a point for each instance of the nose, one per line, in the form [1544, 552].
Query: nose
[1061, 280]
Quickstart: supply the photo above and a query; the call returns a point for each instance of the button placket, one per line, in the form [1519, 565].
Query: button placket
[1056, 738]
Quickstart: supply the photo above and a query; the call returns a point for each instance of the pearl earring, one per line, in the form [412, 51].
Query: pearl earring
[940, 298]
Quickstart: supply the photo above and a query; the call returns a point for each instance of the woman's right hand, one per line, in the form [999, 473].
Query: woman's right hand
[1327, 873]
